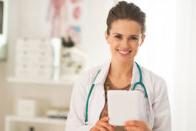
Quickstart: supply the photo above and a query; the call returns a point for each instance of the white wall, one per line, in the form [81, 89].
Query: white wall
[94, 27]
[185, 66]
[191, 94]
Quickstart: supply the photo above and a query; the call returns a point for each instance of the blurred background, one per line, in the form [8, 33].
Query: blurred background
[45, 44]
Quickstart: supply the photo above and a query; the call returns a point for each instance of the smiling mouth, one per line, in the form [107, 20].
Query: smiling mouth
[124, 52]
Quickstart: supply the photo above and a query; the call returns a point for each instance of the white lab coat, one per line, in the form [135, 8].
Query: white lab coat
[159, 108]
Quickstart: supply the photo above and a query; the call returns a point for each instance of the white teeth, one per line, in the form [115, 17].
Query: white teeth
[124, 52]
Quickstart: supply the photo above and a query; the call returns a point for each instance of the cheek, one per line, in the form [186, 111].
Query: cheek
[113, 44]
[111, 41]
[113, 47]
[134, 46]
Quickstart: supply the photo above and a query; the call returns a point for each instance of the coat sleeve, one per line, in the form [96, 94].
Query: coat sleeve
[161, 108]
[76, 115]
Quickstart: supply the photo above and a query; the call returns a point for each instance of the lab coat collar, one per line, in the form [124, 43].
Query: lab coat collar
[105, 70]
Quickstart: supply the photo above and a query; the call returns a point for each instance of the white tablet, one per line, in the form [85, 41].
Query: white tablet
[126, 105]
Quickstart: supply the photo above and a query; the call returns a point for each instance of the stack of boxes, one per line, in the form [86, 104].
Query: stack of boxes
[34, 59]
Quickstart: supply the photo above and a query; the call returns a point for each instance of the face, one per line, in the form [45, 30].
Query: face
[124, 39]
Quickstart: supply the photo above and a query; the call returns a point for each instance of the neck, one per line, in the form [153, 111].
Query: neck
[121, 70]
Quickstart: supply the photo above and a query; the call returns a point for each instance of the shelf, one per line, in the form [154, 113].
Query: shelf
[37, 120]
[64, 82]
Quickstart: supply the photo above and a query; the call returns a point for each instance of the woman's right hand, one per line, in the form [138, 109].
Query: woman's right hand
[102, 125]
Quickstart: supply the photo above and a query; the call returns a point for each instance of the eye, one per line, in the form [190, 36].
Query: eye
[134, 38]
[118, 37]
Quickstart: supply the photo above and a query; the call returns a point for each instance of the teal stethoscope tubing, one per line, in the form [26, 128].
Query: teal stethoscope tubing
[140, 82]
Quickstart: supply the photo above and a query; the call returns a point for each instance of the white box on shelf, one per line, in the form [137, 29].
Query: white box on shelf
[33, 55]
[26, 108]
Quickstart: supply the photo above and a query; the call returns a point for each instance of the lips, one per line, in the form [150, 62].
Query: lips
[124, 51]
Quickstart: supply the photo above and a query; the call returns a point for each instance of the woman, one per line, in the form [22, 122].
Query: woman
[88, 109]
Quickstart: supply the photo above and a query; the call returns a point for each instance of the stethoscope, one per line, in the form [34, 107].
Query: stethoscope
[139, 83]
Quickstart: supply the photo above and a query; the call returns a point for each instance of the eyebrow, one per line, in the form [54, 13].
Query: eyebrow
[128, 35]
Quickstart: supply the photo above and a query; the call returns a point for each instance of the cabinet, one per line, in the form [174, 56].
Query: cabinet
[16, 123]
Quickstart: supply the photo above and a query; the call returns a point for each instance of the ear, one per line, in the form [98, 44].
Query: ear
[142, 39]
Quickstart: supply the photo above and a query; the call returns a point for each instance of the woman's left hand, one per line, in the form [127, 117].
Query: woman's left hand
[134, 125]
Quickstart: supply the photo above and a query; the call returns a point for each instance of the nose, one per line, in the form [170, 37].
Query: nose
[125, 43]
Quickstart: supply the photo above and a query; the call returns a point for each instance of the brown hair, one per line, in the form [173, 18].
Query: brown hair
[124, 10]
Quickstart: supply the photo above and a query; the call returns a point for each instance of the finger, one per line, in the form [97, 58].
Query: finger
[105, 125]
[113, 127]
[99, 128]
[131, 128]
[139, 124]
[134, 128]
[104, 119]
[130, 123]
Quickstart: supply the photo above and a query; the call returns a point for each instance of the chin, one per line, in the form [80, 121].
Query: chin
[124, 60]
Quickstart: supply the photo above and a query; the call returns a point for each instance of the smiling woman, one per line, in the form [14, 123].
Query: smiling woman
[89, 108]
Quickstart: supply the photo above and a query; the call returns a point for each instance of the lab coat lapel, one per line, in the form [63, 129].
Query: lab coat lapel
[135, 78]
[98, 96]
